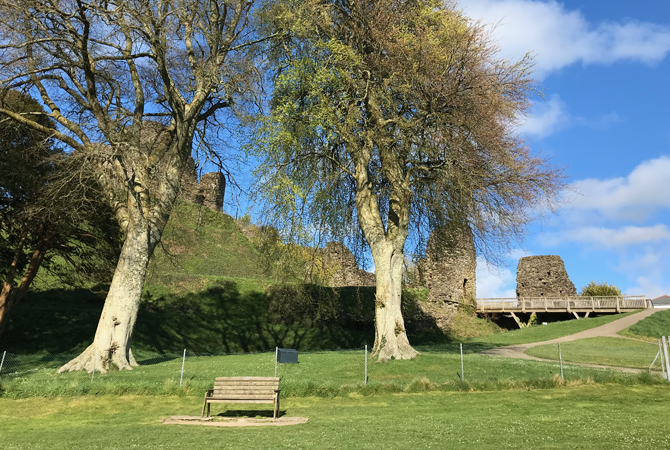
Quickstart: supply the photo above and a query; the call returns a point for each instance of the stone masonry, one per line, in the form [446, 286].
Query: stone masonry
[448, 271]
[208, 192]
[346, 271]
[543, 276]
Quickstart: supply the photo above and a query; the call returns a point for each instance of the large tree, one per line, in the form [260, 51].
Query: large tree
[397, 115]
[131, 84]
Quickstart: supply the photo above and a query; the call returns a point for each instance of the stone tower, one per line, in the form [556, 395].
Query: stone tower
[543, 276]
[448, 271]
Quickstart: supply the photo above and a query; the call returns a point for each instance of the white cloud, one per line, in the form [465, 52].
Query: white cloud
[610, 238]
[547, 118]
[644, 190]
[651, 287]
[494, 282]
[560, 37]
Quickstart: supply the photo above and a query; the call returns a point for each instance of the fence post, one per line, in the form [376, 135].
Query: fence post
[366, 364]
[660, 351]
[276, 356]
[3, 360]
[95, 360]
[665, 354]
[560, 359]
[462, 373]
[183, 360]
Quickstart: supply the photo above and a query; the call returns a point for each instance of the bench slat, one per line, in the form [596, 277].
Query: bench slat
[244, 391]
[243, 397]
[239, 401]
[249, 383]
[247, 379]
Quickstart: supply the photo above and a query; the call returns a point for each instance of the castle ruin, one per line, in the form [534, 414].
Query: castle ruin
[543, 276]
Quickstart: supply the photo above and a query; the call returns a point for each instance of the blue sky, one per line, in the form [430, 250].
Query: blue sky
[604, 70]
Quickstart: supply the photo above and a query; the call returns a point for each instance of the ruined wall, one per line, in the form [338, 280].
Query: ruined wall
[345, 270]
[448, 270]
[208, 192]
[543, 276]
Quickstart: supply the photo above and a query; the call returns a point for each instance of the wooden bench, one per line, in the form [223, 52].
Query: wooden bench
[243, 390]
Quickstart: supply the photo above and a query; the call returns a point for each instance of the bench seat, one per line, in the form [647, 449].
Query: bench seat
[243, 390]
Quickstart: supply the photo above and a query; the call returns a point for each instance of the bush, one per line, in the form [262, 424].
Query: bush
[600, 289]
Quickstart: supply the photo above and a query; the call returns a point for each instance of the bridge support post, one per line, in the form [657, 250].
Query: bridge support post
[517, 320]
[587, 314]
[575, 314]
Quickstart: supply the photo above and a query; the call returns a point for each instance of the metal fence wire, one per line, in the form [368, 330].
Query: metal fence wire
[329, 371]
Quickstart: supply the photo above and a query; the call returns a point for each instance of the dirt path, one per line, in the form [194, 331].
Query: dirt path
[610, 330]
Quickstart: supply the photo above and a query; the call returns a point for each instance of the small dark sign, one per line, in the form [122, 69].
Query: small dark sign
[287, 356]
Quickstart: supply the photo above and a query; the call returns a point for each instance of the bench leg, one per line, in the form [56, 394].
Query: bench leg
[209, 406]
[276, 407]
[204, 405]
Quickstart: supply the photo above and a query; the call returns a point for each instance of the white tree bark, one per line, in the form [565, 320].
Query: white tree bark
[390, 336]
[117, 321]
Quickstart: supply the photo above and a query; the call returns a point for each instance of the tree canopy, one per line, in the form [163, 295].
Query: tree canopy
[391, 116]
[131, 85]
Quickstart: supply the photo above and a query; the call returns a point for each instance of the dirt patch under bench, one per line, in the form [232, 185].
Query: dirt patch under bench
[233, 421]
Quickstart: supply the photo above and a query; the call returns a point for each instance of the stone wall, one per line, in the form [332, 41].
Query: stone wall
[448, 271]
[209, 191]
[339, 261]
[543, 276]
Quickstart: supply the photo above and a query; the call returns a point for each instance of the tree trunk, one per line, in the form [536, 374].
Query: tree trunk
[10, 296]
[111, 344]
[390, 336]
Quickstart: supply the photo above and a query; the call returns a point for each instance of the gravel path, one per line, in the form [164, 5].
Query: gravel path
[610, 330]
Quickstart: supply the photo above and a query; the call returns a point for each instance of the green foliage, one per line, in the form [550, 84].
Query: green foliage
[600, 289]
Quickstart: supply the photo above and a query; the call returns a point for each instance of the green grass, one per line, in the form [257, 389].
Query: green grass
[652, 327]
[608, 351]
[583, 417]
[539, 333]
[327, 374]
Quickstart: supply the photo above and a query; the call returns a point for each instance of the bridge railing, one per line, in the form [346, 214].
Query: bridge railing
[616, 303]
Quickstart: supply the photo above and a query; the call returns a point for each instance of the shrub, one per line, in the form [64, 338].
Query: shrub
[600, 289]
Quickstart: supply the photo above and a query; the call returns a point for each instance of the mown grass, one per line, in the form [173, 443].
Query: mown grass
[608, 351]
[582, 417]
[539, 333]
[328, 374]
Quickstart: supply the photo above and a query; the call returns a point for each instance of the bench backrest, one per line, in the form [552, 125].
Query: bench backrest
[246, 387]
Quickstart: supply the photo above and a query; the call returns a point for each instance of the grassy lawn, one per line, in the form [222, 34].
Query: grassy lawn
[608, 351]
[324, 374]
[584, 417]
[539, 333]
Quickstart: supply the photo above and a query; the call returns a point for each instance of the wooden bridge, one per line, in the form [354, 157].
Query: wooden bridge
[571, 305]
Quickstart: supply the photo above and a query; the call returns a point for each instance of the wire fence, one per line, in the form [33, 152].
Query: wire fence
[329, 372]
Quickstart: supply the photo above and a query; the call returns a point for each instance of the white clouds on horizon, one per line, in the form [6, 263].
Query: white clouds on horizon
[610, 237]
[636, 195]
[560, 37]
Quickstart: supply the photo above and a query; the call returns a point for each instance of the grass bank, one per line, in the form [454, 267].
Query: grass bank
[539, 333]
[650, 328]
[584, 417]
